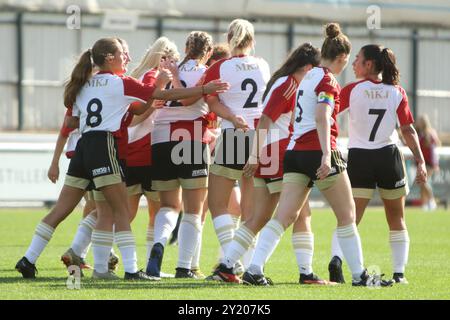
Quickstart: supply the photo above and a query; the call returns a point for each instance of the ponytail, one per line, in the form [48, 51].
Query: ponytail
[80, 75]
[384, 63]
[83, 70]
[390, 74]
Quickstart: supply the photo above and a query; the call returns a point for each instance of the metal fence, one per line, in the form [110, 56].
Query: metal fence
[39, 51]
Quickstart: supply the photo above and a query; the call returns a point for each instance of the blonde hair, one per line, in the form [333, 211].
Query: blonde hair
[240, 34]
[152, 58]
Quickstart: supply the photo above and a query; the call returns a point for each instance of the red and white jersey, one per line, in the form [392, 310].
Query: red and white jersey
[139, 136]
[375, 109]
[278, 106]
[72, 135]
[190, 73]
[174, 116]
[248, 76]
[318, 86]
[103, 101]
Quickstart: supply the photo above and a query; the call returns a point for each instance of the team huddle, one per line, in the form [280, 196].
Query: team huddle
[218, 132]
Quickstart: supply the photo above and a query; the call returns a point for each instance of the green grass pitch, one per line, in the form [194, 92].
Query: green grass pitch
[428, 271]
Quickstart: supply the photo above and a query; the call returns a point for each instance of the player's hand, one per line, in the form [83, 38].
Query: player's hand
[169, 65]
[251, 166]
[216, 86]
[325, 167]
[421, 174]
[158, 104]
[53, 173]
[240, 123]
[164, 77]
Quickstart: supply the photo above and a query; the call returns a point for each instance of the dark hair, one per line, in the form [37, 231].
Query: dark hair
[335, 43]
[83, 69]
[384, 62]
[198, 44]
[220, 51]
[300, 57]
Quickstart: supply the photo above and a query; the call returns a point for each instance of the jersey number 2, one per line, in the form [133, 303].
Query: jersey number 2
[380, 113]
[249, 103]
[91, 115]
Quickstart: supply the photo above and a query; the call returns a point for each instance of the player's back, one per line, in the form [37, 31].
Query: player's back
[373, 112]
[248, 76]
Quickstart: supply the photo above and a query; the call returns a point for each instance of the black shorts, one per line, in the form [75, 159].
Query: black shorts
[383, 168]
[141, 175]
[231, 153]
[95, 160]
[305, 165]
[175, 164]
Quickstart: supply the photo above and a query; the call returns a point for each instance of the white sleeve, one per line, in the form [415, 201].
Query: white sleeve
[75, 111]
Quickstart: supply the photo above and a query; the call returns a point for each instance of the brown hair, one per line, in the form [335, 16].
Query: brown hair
[83, 69]
[300, 57]
[384, 62]
[335, 43]
[220, 51]
[198, 44]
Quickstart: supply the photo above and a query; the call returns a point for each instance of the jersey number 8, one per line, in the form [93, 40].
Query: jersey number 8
[94, 118]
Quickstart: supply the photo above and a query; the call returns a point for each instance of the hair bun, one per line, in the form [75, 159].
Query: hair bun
[332, 30]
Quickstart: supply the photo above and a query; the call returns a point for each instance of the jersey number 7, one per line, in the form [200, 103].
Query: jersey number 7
[380, 113]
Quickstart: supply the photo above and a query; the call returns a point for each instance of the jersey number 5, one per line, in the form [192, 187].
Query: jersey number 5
[300, 112]
[380, 113]
[94, 118]
[249, 103]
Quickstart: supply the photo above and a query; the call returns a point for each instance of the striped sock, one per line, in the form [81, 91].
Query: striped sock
[350, 244]
[303, 243]
[224, 227]
[268, 240]
[41, 237]
[399, 241]
[83, 236]
[243, 239]
[102, 242]
[149, 240]
[189, 238]
[236, 221]
[127, 246]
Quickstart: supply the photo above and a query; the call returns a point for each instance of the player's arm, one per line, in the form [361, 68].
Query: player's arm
[224, 112]
[176, 83]
[63, 135]
[323, 124]
[412, 141]
[72, 122]
[259, 138]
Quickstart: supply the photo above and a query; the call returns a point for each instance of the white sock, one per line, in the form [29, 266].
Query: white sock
[127, 246]
[236, 221]
[41, 237]
[303, 243]
[86, 250]
[82, 238]
[196, 258]
[165, 222]
[189, 237]
[242, 241]
[335, 247]
[149, 241]
[102, 242]
[350, 244]
[268, 240]
[399, 241]
[224, 227]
